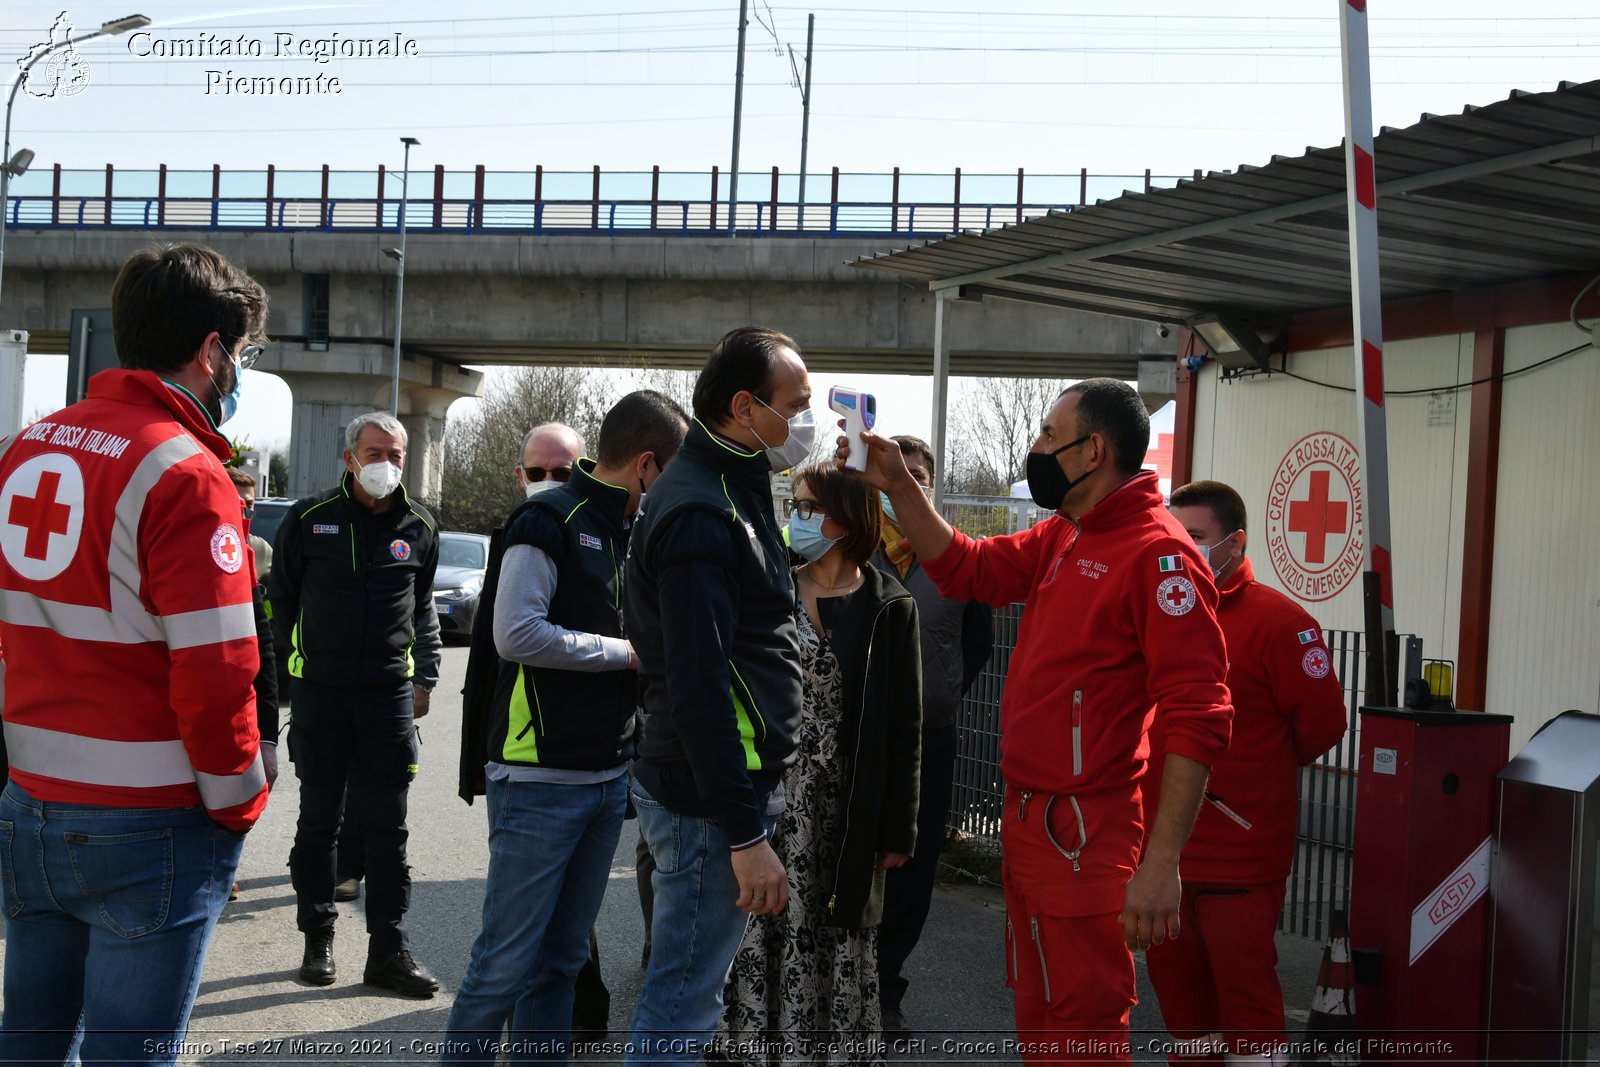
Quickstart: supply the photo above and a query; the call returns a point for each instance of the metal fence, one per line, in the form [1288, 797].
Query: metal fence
[551, 202]
[1320, 878]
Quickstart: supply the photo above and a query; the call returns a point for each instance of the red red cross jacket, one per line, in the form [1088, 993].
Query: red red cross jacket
[1288, 710]
[125, 607]
[1119, 624]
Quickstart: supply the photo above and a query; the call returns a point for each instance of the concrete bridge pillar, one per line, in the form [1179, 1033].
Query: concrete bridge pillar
[331, 388]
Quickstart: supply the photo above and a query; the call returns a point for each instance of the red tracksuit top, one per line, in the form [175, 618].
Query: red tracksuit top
[1118, 625]
[1288, 709]
[125, 607]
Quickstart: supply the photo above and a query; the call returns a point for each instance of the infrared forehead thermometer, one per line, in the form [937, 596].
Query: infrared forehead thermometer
[860, 411]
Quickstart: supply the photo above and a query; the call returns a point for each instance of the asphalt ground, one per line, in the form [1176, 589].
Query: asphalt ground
[252, 1010]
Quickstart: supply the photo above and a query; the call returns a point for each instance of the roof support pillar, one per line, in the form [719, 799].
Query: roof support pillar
[941, 389]
[1477, 553]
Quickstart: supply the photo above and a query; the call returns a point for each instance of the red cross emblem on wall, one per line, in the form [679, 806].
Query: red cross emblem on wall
[1316, 528]
[1318, 516]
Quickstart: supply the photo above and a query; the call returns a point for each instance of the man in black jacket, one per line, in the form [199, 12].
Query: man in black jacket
[710, 610]
[351, 598]
[558, 730]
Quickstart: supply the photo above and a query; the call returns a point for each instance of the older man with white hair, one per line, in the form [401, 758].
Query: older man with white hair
[351, 598]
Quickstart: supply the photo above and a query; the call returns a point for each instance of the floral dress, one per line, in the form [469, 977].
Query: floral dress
[801, 992]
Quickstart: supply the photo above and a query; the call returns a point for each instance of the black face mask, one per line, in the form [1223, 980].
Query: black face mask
[1048, 484]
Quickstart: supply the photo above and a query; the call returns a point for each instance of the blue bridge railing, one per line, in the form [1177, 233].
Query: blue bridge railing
[912, 205]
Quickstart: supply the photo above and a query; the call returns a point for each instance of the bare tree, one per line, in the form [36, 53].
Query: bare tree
[483, 448]
[993, 422]
[677, 384]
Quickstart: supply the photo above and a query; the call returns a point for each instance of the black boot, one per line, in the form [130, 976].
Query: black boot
[317, 967]
[399, 972]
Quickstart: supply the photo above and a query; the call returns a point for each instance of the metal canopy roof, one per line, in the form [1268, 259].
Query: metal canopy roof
[1500, 193]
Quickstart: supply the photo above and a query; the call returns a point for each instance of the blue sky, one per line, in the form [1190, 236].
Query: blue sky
[925, 85]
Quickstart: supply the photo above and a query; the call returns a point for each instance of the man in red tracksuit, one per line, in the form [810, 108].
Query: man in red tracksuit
[1219, 985]
[1119, 625]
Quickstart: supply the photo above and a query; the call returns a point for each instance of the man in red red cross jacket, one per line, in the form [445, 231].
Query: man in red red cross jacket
[1218, 984]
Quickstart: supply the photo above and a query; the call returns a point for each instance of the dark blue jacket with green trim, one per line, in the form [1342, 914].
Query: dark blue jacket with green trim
[710, 611]
[351, 592]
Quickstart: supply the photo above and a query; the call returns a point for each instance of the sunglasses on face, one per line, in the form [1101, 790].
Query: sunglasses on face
[539, 474]
[248, 355]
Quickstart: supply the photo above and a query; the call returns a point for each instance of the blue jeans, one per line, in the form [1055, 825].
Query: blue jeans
[695, 932]
[100, 902]
[550, 849]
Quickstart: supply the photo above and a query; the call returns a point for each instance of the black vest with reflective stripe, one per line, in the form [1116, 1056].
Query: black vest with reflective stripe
[572, 720]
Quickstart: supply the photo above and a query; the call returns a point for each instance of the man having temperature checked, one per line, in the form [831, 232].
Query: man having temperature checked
[1120, 618]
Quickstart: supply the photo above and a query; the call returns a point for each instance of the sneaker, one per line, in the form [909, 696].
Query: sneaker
[399, 972]
[349, 889]
[233, 894]
[317, 966]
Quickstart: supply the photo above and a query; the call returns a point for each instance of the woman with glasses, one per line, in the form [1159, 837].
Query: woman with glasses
[804, 986]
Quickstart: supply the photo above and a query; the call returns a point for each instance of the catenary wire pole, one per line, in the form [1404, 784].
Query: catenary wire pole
[738, 116]
[805, 121]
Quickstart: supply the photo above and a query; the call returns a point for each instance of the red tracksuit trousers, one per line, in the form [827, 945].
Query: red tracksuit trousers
[1071, 975]
[1218, 982]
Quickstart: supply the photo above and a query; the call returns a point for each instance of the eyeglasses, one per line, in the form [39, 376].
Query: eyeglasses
[539, 474]
[804, 508]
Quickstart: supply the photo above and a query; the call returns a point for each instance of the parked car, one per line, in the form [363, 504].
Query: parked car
[268, 516]
[463, 559]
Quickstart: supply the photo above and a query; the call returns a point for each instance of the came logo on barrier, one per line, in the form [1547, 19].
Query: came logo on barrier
[1444, 907]
[1453, 896]
[1316, 517]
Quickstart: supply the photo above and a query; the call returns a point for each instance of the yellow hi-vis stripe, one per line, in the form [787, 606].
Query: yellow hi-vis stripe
[297, 659]
[522, 740]
[747, 723]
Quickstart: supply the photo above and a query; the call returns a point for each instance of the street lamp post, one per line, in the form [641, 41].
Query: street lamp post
[400, 275]
[15, 166]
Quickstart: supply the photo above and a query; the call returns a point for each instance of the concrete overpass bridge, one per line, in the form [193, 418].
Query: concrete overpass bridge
[543, 282]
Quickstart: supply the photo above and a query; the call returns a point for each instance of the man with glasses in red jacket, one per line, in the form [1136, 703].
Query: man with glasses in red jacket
[125, 609]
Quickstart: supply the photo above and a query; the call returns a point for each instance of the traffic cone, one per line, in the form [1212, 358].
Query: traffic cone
[1331, 1029]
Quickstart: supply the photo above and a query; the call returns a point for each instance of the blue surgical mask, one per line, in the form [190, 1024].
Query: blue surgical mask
[888, 508]
[1206, 550]
[229, 402]
[805, 537]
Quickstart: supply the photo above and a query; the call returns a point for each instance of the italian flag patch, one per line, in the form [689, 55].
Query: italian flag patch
[1307, 636]
[1169, 563]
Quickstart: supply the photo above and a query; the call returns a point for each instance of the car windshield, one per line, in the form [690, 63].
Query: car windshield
[268, 516]
[461, 552]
